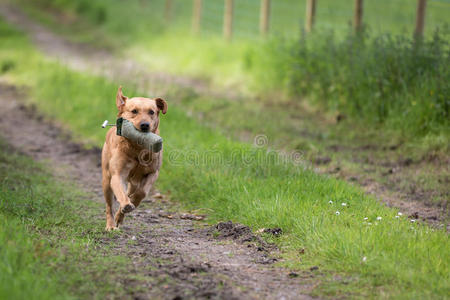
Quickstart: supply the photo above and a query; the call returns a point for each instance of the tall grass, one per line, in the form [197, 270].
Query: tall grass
[205, 170]
[390, 79]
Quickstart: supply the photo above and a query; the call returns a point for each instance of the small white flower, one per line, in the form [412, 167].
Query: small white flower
[397, 217]
[369, 223]
[379, 218]
[366, 218]
[338, 213]
[400, 214]
[413, 221]
[344, 204]
[133, 238]
[331, 202]
[364, 259]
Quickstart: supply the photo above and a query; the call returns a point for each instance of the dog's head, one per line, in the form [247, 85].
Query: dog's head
[142, 112]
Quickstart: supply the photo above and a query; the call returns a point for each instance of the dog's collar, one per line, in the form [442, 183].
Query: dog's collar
[119, 123]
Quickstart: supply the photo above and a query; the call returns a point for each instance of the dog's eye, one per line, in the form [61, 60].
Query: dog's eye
[134, 111]
[151, 112]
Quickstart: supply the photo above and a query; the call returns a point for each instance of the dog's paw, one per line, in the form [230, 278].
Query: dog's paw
[111, 228]
[128, 208]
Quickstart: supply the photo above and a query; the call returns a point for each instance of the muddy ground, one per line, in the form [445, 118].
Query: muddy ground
[171, 256]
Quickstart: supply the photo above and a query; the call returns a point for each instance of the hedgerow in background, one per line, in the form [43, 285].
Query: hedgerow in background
[383, 79]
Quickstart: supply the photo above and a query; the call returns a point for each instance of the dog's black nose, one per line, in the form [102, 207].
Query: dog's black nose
[145, 126]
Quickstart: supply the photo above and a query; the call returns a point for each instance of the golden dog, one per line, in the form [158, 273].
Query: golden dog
[129, 171]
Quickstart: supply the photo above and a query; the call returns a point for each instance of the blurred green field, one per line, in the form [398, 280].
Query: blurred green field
[287, 16]
[205, 170]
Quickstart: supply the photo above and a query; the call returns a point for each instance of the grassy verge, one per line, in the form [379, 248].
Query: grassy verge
[203, 169]
[341, 148]
[48, 249]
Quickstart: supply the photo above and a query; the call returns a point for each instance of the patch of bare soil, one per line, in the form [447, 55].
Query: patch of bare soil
[172, 255]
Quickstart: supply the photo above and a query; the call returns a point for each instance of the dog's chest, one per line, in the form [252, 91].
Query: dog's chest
[143, 167]
[143, 171]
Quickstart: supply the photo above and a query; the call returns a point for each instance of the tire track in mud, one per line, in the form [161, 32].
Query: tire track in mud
[170, 257]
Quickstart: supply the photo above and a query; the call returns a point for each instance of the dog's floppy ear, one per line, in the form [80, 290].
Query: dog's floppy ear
[120, 99]
[161, 104]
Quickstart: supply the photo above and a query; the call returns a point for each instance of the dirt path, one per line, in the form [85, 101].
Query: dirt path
[174, 258]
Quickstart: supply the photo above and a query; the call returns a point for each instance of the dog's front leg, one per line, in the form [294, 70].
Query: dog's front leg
[118, 179]
[117, 185]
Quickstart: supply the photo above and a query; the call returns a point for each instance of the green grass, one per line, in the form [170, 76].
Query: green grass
[364, 154]
[203, 169]
[49, 236]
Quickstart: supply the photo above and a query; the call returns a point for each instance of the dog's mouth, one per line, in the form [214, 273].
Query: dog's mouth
[145, 130]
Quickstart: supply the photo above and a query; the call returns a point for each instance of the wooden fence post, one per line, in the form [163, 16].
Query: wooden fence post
[310, 15]
[264, 17]
[358, 15]
[196, 16]
[420, 18]
[168, 11]
[228, 20]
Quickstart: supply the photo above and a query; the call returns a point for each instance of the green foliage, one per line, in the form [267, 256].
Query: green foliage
[387, 79]
[229, 180]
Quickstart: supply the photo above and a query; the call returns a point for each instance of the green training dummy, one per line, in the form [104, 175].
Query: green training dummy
[147, 140]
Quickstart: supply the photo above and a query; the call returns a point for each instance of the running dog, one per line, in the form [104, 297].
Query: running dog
[128, 170]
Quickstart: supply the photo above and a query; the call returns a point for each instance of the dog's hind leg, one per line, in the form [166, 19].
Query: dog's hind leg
[135, 194]
[144, 188]
[119, 217]
[137, 197]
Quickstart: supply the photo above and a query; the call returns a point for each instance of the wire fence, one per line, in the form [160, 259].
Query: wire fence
[288, 17]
